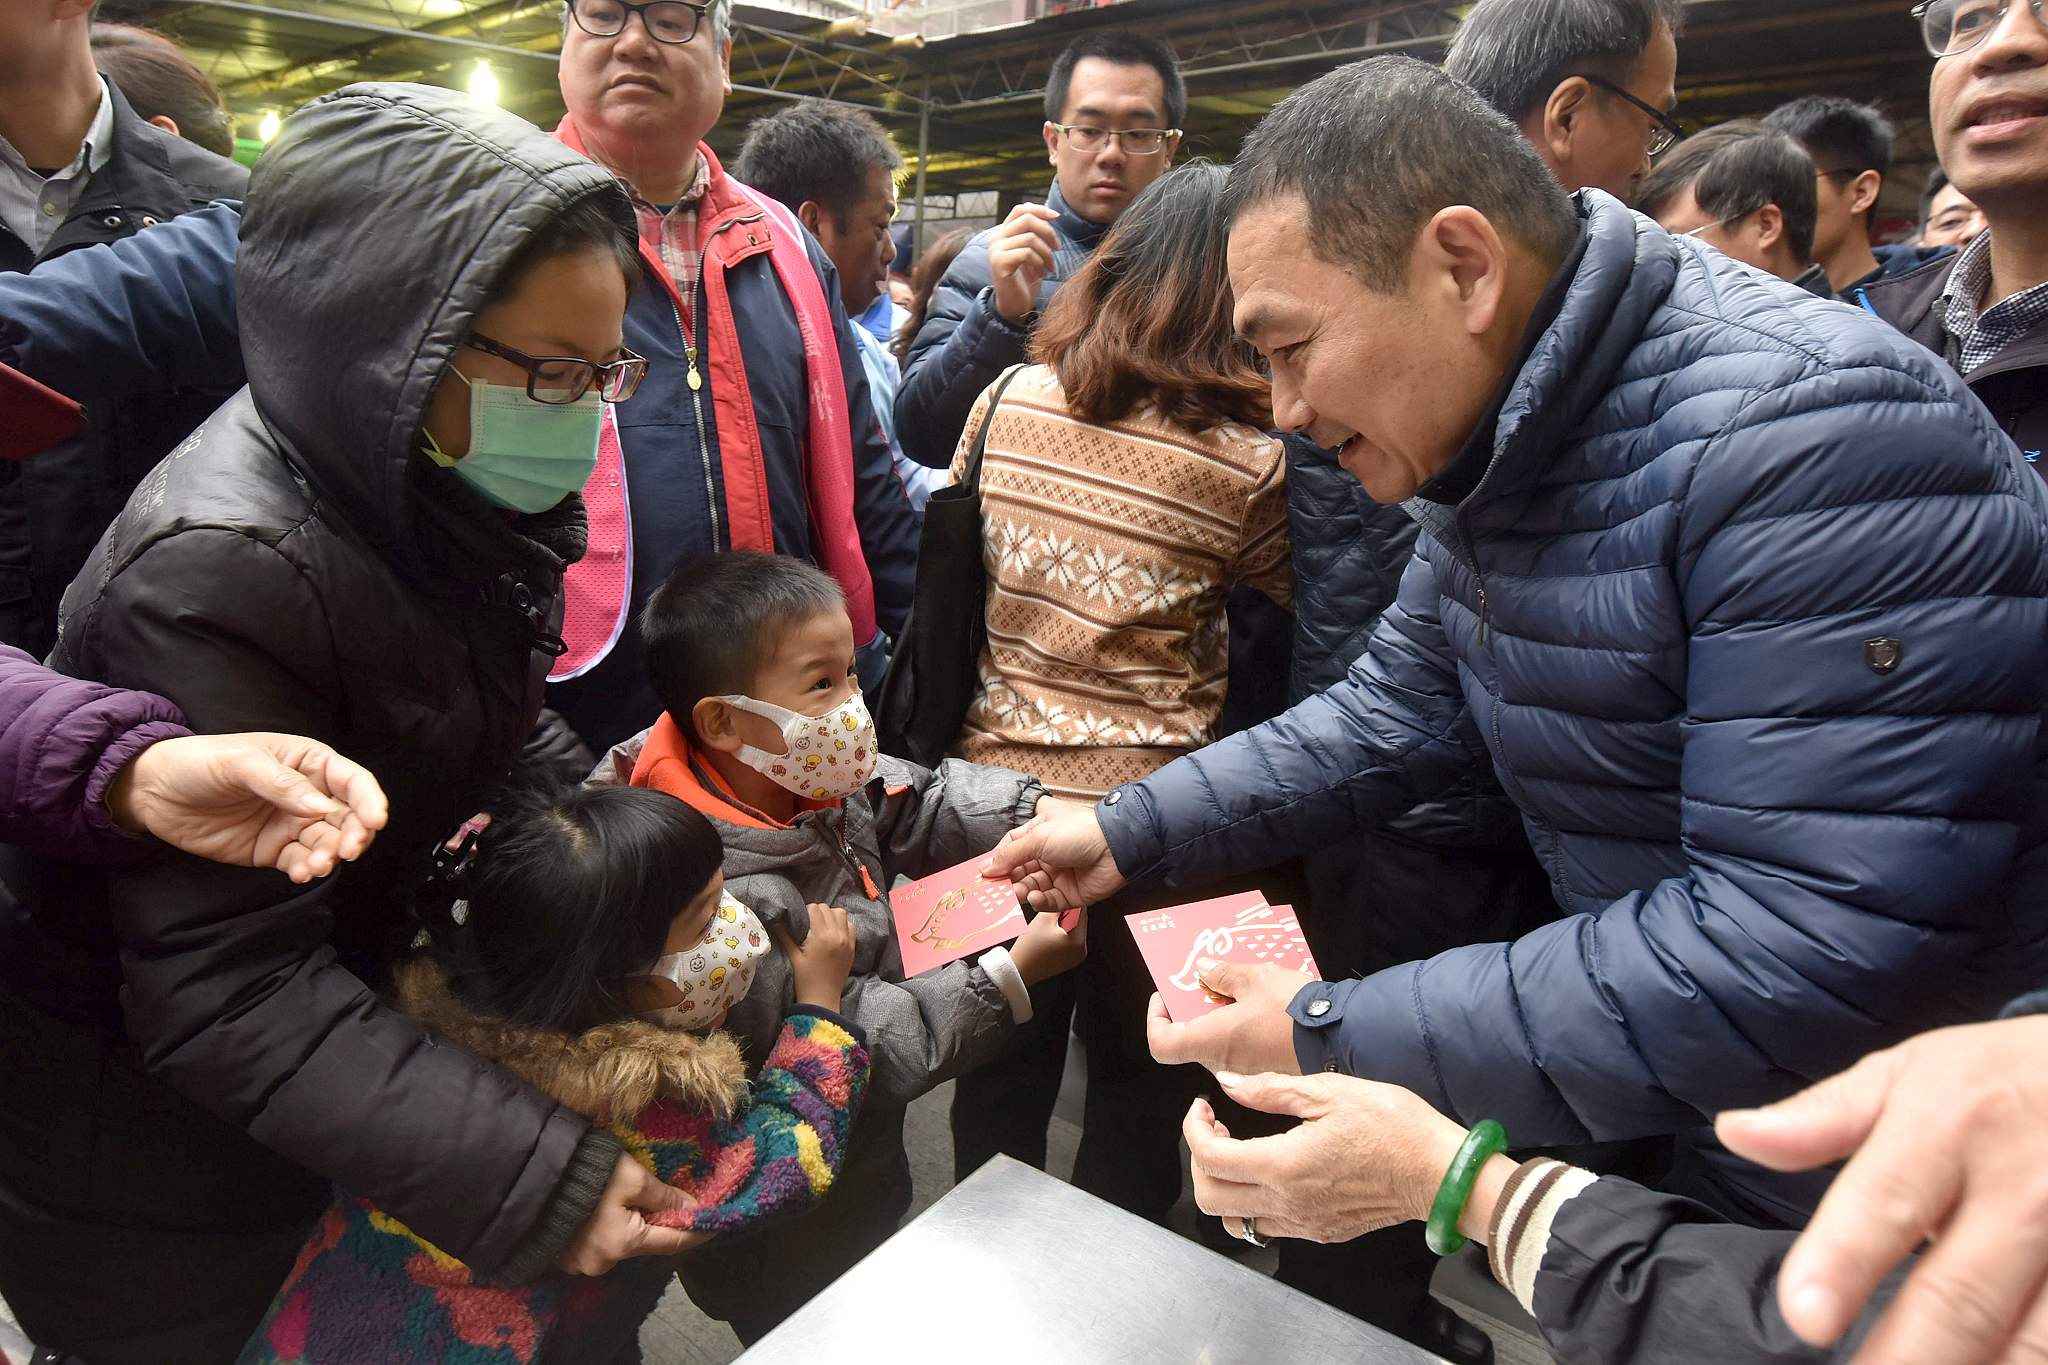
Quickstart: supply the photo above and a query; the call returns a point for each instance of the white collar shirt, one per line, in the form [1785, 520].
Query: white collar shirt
[32, 205]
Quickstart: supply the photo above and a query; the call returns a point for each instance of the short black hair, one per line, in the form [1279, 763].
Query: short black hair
[1840, 135]
[706, 629]
[1937, 181]
[1515, 52]
[1735, 169]
[1122, 48]
[571, 892]
[818, 152]
[1378, 148]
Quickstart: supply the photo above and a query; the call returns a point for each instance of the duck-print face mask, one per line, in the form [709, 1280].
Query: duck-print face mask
[829, 756]
[716, 972]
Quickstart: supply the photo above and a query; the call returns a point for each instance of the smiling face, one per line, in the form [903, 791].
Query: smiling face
[1393, 382]
[642, 106]
[1101, 184]
[1989, 110]
[808, 669]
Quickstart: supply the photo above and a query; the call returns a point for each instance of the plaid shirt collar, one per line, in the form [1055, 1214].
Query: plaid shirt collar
[673, 235]
[1980, 337]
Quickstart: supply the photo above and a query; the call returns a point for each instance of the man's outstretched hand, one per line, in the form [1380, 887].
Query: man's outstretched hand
[1058, 858]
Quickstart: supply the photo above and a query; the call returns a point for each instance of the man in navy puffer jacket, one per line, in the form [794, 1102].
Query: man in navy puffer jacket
[1744, 599]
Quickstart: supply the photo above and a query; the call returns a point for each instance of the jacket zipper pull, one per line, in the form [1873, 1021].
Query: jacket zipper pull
[692, 378]
[867, 881]
[1482, 613]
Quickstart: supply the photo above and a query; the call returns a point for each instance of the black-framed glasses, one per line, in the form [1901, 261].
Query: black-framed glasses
[1083, 137]
[1949, 27]
[1664, 129]
[666, 21]
[564, 379]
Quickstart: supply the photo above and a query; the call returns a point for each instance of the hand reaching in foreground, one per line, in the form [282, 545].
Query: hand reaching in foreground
[627, 1222]
[1943, 1136]
[252, 800]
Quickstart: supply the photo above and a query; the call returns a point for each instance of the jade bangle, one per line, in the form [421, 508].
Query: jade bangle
[1486, 1141]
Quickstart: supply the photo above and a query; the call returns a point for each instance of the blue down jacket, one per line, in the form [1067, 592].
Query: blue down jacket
[1780, 841]
[964, 343]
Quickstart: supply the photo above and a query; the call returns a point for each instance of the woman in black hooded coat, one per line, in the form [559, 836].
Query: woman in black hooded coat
[190, 1052]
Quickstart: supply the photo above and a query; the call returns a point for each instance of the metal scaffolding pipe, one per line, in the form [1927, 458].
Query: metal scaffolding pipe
[380, 30]
[924, 144]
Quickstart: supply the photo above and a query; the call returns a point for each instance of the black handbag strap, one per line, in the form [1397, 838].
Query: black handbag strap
[972, 475]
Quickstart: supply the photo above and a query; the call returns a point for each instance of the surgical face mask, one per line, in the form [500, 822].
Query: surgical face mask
[828, 756]
[524, 455]
[716, 972]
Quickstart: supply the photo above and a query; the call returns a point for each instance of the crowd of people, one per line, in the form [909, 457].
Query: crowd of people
[446, 897]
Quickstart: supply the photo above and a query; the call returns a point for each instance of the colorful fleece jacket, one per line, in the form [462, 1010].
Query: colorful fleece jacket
[367, 1289]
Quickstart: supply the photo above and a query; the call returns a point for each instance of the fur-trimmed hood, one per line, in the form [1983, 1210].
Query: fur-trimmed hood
[608, 1074]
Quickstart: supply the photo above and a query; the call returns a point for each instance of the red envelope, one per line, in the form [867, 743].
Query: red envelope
[1230, 929]
[953, 914]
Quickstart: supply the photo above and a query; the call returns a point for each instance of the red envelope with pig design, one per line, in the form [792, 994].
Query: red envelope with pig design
[1230, 929]
[953, 914]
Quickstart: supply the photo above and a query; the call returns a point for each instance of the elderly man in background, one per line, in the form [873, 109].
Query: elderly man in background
[1742, 598]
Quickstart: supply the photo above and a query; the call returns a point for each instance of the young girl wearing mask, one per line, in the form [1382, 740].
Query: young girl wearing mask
[593, 951]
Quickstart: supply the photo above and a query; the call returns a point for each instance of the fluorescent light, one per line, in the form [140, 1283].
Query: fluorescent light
[483, 84]
[267, 128]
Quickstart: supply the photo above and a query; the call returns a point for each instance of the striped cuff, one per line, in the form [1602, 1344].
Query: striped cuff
[1520, 1231]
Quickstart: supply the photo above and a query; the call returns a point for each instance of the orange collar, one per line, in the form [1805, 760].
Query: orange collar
[668, 763]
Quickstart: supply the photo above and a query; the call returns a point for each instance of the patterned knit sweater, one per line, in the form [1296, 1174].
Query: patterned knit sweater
[366, 1289]
[1110, 551]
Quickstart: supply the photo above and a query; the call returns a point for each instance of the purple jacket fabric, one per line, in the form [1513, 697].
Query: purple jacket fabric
[61, 743]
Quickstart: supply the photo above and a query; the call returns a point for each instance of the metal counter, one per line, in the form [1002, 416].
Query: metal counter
[1015, 1266]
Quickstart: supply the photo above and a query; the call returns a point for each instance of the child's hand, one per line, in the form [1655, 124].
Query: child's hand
[821, 962]
[1045, 950]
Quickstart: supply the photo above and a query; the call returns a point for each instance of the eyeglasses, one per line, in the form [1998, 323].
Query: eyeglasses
[1950, 27]
[666, 21]
[1132, 141]
[1717, 223]
[1664, 129]
[564, 379]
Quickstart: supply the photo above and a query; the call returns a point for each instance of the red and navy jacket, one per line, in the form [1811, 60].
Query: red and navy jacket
[729, 465]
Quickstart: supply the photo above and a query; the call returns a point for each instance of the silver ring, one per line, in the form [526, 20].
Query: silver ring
[1245, 1232]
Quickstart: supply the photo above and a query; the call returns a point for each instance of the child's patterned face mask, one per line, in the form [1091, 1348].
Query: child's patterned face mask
[716, 973]
[830, 756]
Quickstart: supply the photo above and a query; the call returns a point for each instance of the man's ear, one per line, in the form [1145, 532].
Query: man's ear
[1770, 227]
[1554, 121]
[713, 721]
[1461, 258]
[1863, 192]
[165, 122]
[810, 215]
[1052, 142]
[725, 66]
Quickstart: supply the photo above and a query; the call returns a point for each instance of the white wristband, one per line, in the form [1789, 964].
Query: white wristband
[1001, 970]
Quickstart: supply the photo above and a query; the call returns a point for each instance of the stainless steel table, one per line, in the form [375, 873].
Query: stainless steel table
[1015, 1266]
